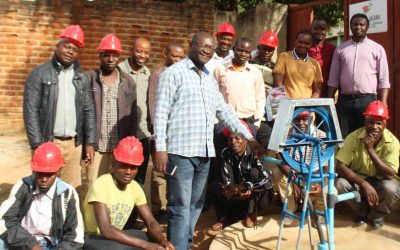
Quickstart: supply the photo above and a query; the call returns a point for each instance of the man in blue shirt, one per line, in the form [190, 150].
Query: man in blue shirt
[187, 103]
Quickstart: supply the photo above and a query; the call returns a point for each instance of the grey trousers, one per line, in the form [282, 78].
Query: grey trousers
[388, 192]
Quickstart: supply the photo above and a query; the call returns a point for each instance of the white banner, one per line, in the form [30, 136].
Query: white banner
[376, 11]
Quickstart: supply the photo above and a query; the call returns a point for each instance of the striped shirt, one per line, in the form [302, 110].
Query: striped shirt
[185, 110]
[109, 136]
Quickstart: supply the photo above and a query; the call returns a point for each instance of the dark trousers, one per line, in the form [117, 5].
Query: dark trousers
[350, 110]
[234, 208]
[264, 134]
[96, 242]
[141, 174]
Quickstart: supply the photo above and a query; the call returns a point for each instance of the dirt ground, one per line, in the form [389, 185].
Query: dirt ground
[14, 164]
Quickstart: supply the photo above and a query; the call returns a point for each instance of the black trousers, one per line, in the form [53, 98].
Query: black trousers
[141, 174]
[350, 110]
[96, 242]
[234, 208]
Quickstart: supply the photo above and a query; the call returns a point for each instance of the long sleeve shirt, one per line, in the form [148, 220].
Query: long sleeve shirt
[239, 170]
[186, 106]
[243, 90]
[359, 68]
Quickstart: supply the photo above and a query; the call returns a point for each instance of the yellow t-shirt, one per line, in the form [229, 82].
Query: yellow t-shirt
[354, 154]
[299, 76]
[119, 203]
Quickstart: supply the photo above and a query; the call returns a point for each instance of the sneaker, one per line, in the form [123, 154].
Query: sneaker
[378, 222]
[288, 220]
[361, 220]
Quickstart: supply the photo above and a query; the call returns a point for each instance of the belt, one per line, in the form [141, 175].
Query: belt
[354, 96]
[64, 138]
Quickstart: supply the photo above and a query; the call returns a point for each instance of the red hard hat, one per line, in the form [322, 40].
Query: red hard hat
[303, 114]
[269, 38]
[225, 28]
[110, 43]
[130, 151]
[377, 109]
[47, 158]
[74, 33]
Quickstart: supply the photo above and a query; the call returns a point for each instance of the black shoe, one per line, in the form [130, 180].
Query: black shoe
[361, 220]
[378, 222]
[138, 225]
[162, 217]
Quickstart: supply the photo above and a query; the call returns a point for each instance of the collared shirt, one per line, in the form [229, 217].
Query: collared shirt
[354, 155]
[65, 121]
[242, 89]
[185, 110]
[323, 53]
[141, 78]
[359, 68]
[217, 60]
[38, 220]
[266, 71]
[152, 90]
[300, 76]
[109, 136]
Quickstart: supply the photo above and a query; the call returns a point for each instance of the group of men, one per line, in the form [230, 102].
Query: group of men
[110, 120]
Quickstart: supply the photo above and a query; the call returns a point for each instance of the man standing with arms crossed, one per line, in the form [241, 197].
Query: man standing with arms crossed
[58, 106]
[187, 103]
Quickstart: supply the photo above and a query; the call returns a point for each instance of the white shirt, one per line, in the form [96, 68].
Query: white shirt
[38, 220]
[217, 60]
[65, 121]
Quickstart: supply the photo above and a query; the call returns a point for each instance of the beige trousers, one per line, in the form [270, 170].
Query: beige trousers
[71, 171]
[158, 191]
[102, 164]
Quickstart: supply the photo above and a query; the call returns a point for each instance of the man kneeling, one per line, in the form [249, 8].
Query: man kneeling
[110, 201]
[42, 212]
[243, 187]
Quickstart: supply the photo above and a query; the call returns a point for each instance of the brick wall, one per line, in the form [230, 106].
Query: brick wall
[29, 31]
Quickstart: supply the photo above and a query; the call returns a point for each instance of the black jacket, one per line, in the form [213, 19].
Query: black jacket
[67, 224]
[127, 107]
[40, 104]
[239, 170]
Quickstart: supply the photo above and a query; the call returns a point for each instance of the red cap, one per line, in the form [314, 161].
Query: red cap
[227, 132]
[269, 38]
[225, 28]
[130, 151]
[47, 158]
[377, 109]
[303, 114]
[110, 43]
[74, 33]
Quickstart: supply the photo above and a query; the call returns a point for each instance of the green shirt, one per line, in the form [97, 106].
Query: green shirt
[354, 154]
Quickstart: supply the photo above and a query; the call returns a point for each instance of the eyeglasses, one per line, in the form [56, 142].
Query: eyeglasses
[204, 46]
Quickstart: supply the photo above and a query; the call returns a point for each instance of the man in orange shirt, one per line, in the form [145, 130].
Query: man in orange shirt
[297, 71]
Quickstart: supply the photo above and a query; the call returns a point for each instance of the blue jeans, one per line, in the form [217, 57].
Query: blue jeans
[186, 197]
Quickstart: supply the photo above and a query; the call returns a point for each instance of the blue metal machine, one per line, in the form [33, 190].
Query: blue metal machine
[310, 155]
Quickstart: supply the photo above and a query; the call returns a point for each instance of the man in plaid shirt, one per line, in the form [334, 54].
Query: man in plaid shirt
[187, 103]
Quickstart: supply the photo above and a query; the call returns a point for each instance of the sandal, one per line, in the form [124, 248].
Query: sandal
[217, 226]
[250, 221]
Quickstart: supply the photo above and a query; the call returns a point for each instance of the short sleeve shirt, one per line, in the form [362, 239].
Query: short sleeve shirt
[354, 155]
[119, 203]
[299, 75]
